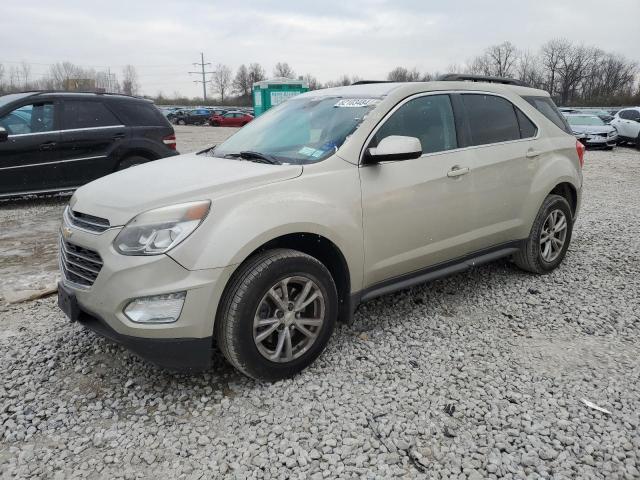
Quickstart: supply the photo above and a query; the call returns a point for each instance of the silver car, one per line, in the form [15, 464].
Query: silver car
[332, 198]
[592, 131]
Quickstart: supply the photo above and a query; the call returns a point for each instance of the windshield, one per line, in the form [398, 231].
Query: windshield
[301, 130]
[584, 120]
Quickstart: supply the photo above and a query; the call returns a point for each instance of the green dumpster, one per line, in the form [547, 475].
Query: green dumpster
[269, 93]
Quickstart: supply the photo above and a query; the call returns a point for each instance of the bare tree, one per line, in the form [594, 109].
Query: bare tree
[401, 74]
[497, 60]
[256, 73]
[221, 81]
[242, 82]
[282, 69]
[1, 78]
[25, 75]
[528, 69]
[311, 81]
[130, 85]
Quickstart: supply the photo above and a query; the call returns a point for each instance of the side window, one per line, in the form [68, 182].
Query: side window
[491, 119]
[428, 118]
[546, 107]
[83, 114]
[527, 128]
[139, 114]
[630, 114]
[34, 118]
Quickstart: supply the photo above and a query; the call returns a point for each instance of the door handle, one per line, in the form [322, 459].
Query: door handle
[118, 136]
[48, 146]
[457, 171]
[533, 153]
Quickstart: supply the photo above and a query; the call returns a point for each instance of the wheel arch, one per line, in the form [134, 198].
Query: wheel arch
[569, 192]
[322, 249]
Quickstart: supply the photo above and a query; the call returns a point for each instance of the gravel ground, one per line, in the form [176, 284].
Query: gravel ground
[480, 375]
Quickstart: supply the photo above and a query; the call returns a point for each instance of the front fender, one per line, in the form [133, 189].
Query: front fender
[325, 200]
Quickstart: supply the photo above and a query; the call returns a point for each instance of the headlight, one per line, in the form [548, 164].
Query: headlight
[157, 231]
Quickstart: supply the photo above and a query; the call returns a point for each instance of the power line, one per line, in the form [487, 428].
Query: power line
[204, 76]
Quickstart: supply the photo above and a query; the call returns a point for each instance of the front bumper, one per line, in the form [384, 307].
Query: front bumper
[183, 344]
[179, 354]
[598, 141]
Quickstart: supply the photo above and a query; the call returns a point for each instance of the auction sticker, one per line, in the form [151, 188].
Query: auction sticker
[356, 102]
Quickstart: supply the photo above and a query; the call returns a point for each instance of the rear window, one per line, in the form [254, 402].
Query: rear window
[84, 114]
[491, 119]
[546, 107]
[138, 114]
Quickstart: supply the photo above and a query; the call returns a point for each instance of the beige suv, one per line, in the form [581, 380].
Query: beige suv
[261, 244]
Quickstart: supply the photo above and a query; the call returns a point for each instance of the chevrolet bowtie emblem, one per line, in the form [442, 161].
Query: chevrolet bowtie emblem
[66, 232]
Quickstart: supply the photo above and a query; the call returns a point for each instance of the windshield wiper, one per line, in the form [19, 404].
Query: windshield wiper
[259, 157]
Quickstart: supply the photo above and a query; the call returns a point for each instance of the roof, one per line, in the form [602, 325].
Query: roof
[67, 93]
[383, 89]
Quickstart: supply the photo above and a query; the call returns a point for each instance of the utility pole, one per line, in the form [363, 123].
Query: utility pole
[204, 76]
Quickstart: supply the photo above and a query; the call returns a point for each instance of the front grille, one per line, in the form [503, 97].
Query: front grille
[79, 265]
[87, 222]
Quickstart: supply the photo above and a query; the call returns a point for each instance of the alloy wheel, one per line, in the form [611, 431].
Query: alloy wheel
[553, 235]
[288, 319]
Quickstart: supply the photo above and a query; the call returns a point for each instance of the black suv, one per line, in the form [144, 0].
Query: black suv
[56, 141]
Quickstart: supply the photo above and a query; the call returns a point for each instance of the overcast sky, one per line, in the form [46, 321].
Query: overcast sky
[326, 38]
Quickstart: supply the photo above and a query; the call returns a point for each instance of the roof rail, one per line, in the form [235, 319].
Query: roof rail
[463, 77]
[96, 91]
[367, 82]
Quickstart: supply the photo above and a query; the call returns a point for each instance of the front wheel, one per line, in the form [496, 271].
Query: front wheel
[277, 315]
[549, 239]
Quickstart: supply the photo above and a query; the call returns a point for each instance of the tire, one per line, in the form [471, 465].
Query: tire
[131, 161]
[531, 256]
[247, 301]
[181, 122]
[215, 124]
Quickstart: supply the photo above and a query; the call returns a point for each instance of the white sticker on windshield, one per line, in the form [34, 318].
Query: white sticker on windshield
[356, 102]
[308, 151]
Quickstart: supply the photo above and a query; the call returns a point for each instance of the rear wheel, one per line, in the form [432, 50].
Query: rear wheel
[181, 122]
[131, 161]
[549, 239]
[277, 314]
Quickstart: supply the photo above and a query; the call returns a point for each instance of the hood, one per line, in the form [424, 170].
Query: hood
[591, 129]
[122, 195]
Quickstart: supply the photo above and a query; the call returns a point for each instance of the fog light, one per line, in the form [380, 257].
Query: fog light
[156, 309]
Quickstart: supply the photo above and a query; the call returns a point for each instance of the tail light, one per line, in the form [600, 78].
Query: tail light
[170, 141]
[580, 148]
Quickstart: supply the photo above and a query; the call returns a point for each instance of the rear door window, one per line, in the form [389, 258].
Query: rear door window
[137, 114]
[491, 119]
[428, 118]
[546, 107]
[527, 127]
[86, 114]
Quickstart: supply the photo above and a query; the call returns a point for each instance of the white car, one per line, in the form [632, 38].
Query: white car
[627, 123]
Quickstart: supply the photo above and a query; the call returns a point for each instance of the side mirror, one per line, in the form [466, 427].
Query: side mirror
[4, 135]
[394, 148]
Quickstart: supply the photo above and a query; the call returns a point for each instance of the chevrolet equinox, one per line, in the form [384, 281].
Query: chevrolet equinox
[262, 243]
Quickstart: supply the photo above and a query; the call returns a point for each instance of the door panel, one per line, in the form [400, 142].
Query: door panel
[88, 153]
[501, 136]
[28, 162]
[416, 212]
[91, 133]
[415, 215]
[29, 158]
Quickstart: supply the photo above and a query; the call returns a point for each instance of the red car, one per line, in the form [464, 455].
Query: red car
[230, 119]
